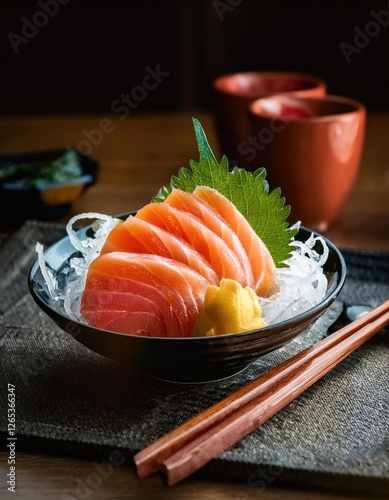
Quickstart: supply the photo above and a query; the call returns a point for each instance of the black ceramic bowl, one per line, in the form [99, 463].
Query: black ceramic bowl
[49, 202]
[184, 359]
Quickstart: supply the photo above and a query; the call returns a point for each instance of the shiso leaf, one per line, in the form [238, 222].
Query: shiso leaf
[265, 210]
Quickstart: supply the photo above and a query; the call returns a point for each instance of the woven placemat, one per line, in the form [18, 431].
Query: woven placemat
[72, 400]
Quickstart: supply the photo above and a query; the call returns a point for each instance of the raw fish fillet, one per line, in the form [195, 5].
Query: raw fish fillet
[142, 294]
[154, 268]
[264, 269]
[139, 236]
[198, 207]
[196, 233]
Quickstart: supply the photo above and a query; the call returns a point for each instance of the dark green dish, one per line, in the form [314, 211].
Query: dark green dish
[26, 195]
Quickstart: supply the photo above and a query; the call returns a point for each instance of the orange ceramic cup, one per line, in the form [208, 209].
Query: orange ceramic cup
[311, 148]
[234, 92]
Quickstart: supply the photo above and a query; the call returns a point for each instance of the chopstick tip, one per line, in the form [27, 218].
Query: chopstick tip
[143, 467]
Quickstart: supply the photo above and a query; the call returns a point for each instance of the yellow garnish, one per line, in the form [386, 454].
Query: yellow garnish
[228, 308]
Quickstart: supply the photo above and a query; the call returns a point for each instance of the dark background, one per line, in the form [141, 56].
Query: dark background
[89, 53]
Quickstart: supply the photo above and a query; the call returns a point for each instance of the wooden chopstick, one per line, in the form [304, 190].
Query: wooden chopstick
[191, 445]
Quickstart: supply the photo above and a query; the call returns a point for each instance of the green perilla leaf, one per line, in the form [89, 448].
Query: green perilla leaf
[265, 210]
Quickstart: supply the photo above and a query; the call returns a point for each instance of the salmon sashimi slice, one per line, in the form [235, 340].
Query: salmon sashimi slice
[175, 288]
[198, 207]
[98, 306]
[195, 232]
[264, 269]
[124, 312]
[139, 236]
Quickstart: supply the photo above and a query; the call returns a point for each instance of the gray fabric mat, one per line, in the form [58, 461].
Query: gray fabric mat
[71, 400]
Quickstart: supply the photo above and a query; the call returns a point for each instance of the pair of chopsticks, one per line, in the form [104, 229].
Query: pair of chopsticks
[187, 448]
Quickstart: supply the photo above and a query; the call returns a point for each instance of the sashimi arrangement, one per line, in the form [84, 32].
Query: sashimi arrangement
[211, 254]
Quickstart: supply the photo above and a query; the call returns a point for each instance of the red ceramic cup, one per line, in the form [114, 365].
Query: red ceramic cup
[234, 92]
[311, 148]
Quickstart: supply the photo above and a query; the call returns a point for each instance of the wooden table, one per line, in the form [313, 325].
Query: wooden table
[137, 156]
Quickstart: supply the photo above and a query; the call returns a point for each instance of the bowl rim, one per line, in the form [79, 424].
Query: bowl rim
[315, 82]
[265, 332]
[354, 107]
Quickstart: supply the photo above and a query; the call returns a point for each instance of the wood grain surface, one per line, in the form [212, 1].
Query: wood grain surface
[139, 154]
[48, 477]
